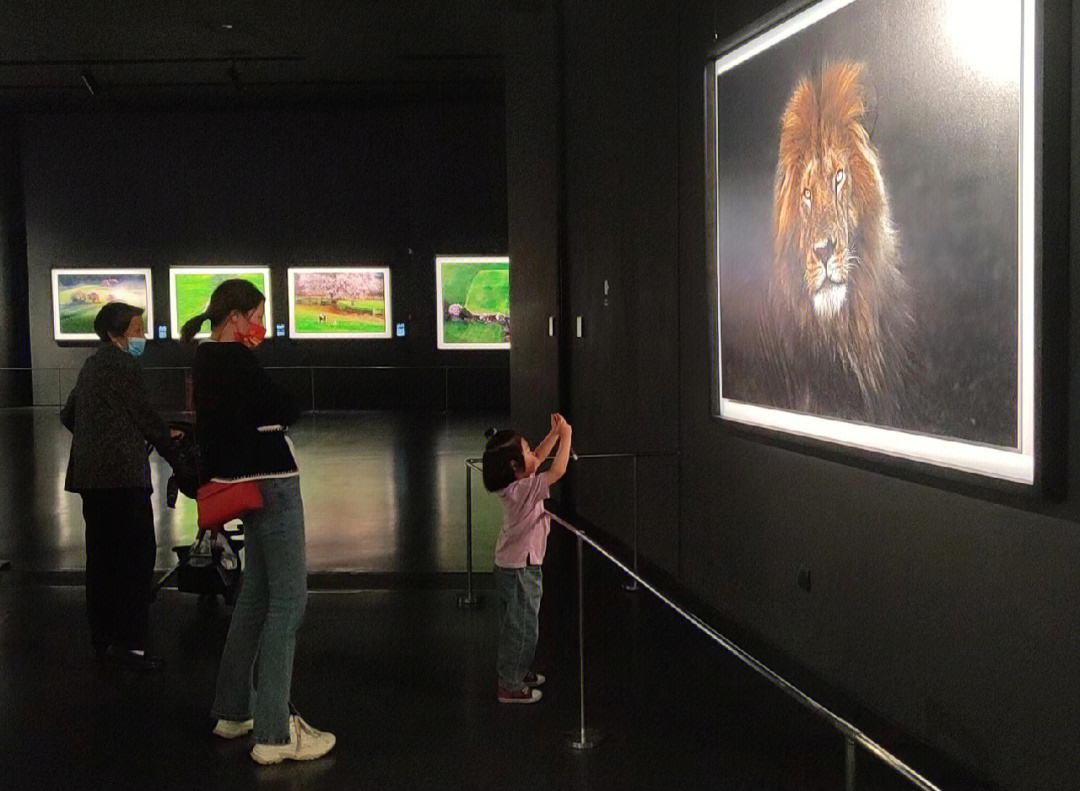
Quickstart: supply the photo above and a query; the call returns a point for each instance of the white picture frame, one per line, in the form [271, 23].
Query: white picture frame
[1012, 464]
[105, 274]
[222, 273]
[387, 310]
[441, 317]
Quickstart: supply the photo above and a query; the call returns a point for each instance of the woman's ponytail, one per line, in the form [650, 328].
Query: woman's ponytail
[192, 326]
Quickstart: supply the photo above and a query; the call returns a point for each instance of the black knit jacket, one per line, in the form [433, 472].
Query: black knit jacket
[241, 415]
[111, 419]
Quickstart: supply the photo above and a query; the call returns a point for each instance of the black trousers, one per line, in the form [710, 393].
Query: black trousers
[120, 552]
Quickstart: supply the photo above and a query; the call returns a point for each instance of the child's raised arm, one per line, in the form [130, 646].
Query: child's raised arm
[558, 467]
[543, 450]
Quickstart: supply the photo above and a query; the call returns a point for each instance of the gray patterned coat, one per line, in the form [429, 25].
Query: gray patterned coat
[111, 419]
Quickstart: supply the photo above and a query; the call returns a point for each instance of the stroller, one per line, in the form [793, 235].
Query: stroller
[211, 566]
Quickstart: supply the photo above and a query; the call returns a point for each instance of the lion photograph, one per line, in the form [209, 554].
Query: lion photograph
[866, 228]
[838, 323]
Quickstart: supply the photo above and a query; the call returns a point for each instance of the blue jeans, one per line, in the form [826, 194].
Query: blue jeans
[267, 615]
[519, 593]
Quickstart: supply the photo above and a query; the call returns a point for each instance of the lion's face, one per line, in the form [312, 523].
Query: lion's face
[827, 218]
[827, 185]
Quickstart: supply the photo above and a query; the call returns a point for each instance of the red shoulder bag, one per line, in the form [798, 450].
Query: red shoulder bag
[220, 503]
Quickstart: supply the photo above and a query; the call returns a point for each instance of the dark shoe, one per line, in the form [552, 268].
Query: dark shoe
[523, 695]
[136, 659]
[533, 679]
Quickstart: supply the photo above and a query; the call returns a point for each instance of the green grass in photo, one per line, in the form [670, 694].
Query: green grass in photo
[77, 319]
[472, 332]
[193, 291]
[489, 292]
[456, 279]
[359, 316]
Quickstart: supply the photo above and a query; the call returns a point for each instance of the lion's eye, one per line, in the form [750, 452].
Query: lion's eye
[806, 195]
[840, 178]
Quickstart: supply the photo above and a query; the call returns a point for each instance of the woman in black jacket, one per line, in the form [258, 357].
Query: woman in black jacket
[111, 419]
[241, 416]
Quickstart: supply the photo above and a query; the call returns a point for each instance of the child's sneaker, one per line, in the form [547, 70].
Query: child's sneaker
[523, 695]
[534, 679]
[233, 729]
[305, 744]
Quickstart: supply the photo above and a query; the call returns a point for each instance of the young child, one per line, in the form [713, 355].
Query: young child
[510, 469]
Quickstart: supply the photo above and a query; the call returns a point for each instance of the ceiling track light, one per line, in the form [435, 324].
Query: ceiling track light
[89, 82]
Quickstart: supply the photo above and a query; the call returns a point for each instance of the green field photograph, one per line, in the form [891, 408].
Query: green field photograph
[339, 303]
[79, 295]
[473, 296]
[191, 288]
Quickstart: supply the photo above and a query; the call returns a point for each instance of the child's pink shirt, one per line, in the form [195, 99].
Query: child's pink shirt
[523, 538]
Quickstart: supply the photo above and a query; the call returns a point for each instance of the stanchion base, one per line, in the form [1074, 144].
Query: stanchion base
[469, 602]
[592, 738]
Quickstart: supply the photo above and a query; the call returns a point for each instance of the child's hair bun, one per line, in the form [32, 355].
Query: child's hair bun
[489, 433]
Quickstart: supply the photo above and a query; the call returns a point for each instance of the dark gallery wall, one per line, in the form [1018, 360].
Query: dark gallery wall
[389, 182]
[534, 200]
[15, 388]
[948, 609]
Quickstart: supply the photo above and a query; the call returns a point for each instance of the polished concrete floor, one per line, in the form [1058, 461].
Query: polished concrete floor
[401, 675]
[405, 680]
[383, 493]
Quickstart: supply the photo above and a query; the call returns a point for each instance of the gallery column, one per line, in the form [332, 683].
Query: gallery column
[534, 177]
[15, 387]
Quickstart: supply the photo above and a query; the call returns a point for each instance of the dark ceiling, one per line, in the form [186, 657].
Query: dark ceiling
[152, 51]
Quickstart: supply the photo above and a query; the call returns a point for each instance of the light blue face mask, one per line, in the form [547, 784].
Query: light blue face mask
[136, 346]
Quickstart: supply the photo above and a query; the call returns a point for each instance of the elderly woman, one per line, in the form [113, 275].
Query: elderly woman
[111, 420]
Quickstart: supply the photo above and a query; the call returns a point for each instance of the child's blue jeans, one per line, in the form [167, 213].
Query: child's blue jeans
[519, 593]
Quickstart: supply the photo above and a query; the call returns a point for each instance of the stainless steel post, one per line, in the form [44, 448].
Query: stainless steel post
[584, 739]
[468, 601]
[849, 765]
[632, 585]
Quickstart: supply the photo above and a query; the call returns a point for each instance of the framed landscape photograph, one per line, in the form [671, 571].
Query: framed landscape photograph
[339, 302]
[874, 170]
[79, 294]
[190, 288]
[472, 300]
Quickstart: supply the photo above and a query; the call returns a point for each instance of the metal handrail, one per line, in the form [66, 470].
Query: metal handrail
[853, 735]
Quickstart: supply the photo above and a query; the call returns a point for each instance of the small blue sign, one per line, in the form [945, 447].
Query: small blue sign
[162, 332]
[401, 329]
[281, 329]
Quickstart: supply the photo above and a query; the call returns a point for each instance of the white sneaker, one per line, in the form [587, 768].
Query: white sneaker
[305, 744]
[232, 729]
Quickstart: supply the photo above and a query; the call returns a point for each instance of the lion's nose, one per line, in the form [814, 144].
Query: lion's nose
[824, 250]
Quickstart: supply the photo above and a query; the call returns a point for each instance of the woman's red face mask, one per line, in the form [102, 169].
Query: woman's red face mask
[253, 335]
